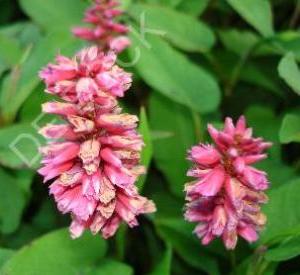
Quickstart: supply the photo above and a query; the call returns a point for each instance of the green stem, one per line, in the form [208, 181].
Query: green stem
[197, 125]
[121, 243]
[233, 260]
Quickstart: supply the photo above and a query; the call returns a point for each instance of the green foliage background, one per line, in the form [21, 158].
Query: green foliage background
[196, 61]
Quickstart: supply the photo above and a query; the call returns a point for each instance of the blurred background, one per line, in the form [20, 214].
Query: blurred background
[193, 62]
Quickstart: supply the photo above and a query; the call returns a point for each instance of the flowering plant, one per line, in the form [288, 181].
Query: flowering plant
[149, 137]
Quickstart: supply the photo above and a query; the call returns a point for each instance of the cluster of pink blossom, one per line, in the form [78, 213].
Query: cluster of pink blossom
[225, 198]
[105, 32]
[93, 157]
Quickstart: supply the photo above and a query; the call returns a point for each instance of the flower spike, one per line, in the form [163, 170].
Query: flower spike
[225, 197]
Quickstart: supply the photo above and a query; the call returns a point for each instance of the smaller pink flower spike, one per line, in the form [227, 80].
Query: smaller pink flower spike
[104, 30]
[226, 195]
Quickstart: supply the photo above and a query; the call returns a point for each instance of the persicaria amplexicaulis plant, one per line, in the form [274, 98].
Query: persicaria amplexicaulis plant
[226, 195]
[93, 158]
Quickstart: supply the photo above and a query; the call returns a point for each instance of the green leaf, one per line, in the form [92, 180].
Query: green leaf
[54, 14]
[283, 213]
[147, 152]
[26, 33]
[19, 146]
[185, 83]
[5, 254]
[31, 109]
[125, 4]
[290, 129]
[12, 202]
[193, 7]
[24, 79]
[171, 3]
[110, 267]
[257, 13]
[238, 41]
[170, 152]
[164, 266]
[289, 71]
[56, 253]
[180, 29]
[10, 51]
[285, 251]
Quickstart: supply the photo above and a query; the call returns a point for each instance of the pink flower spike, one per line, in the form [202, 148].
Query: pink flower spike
[225, 197]
[93, 156]
[104, 30]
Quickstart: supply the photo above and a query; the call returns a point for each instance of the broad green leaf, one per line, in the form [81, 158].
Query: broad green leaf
[193, 7]
[54, 14]
[110, 267]
[164, 266]
[19, 146]
[280, 44]
[243, 41]
[171, 3]
[46, 217]
[12, 202]
[182, 30]
[238, 41]
[31, 110]
[24, 80]
[285, 251]
[185, 82]
[170, 152]
[10, 51]
[147, 152]
[5, 254]
[26, 33]
[257, 13]
[283, 213]
[24, 179]
[125, 4]
[290, 129]
[289, 71]
[56, 253]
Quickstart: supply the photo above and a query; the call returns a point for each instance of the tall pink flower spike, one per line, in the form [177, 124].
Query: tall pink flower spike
[104, 31]
[93, 158]
[225, 198]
